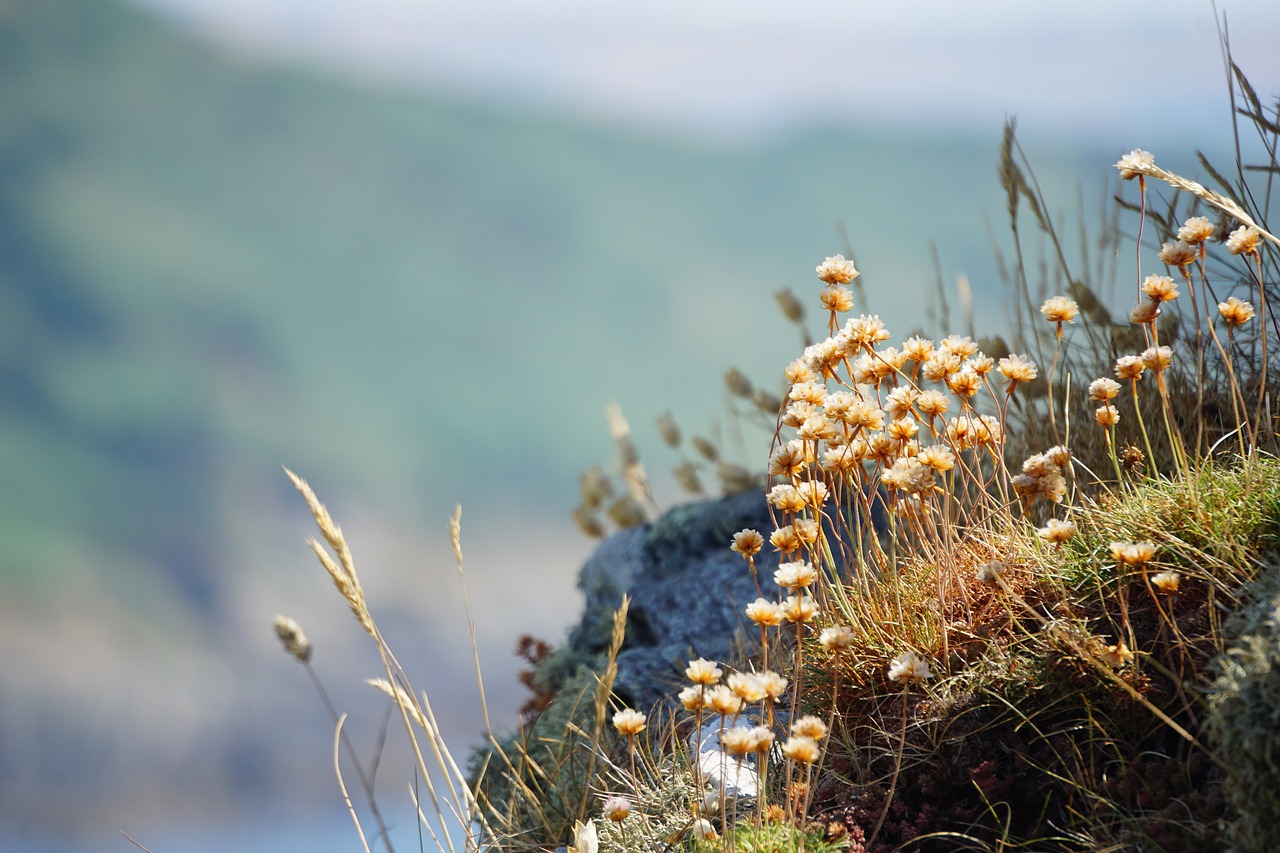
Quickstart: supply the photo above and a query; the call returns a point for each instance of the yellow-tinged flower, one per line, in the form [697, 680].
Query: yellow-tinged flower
[813, 492]
[775, 686]
[1235, 312]
[836, 298]
[1160, 288]
[746, 686]
[788, 460]
[798, 371]
[724, 701]
[785, 540]
[1116, 656]
[693, 698]
[917, 348]
[1055, 532]
[801, 749]
[1103, 389]
[702, 829]
[1244, 240]
[1166, 581]
[959, 345]
[932, 403]
[629, 722]
[1133, 553]
[836, 270]
[1129, 367]
[1060, 309]
[747, 542]
[809, 726]
[703, 671]
[616, 809]
[738, 741]
[765, 613]
[909, 667]
[1017, 368]
[1178, 254]
[1195, 230]
[1135, 163]
[785, 498]
[965, 383]
[837, 638]
[938, 457]
[799, 608]
[1157, 358]
[1107, 416]
[806, 529]
[795, 576]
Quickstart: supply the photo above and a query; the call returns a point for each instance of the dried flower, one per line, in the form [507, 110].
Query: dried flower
[693, 697]
[616, 809]
[774, 685]
[629, 722]
[1107, 416]
[967, 383]
[1116, 656]
[765, 613]
[1195, 230]
[1016, 368]
[866, 331]
[1055, 532]
[724, 701]
[291, 637]
[836, 270]
[1178, 254]
[917, 349]
[703, 671]
[798, 371]
[837, 638]
[1144, 312]
[1133, 553]
[785, 540]
[836, 298]
[788, 460]
[938, 457]
[988, 574]
[1060, 309]
[747, 542]
[809, 726]
[801, 749]
[1166, 581]
[813, 492]
[1104, 389]
[799, 608]
[1235, 312]
[1244, 240]
[1135, 163]
[1157, 358]
[1160, 288]
[909, 667]
[738, 741]
[1129, 367]
[932, 403]
[795, 576]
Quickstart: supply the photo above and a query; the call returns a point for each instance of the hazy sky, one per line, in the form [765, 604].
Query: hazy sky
[730, 65]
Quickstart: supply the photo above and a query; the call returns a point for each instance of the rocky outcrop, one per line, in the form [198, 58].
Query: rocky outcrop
[688, 592]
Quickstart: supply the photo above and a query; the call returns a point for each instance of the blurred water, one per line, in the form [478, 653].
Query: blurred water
[330, 831]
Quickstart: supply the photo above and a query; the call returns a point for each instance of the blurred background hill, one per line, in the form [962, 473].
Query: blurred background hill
[216, 259]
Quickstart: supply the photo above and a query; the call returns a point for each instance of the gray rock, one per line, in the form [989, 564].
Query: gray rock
[688, 592]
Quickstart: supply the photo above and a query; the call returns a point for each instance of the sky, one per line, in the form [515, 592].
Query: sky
[730, 67]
